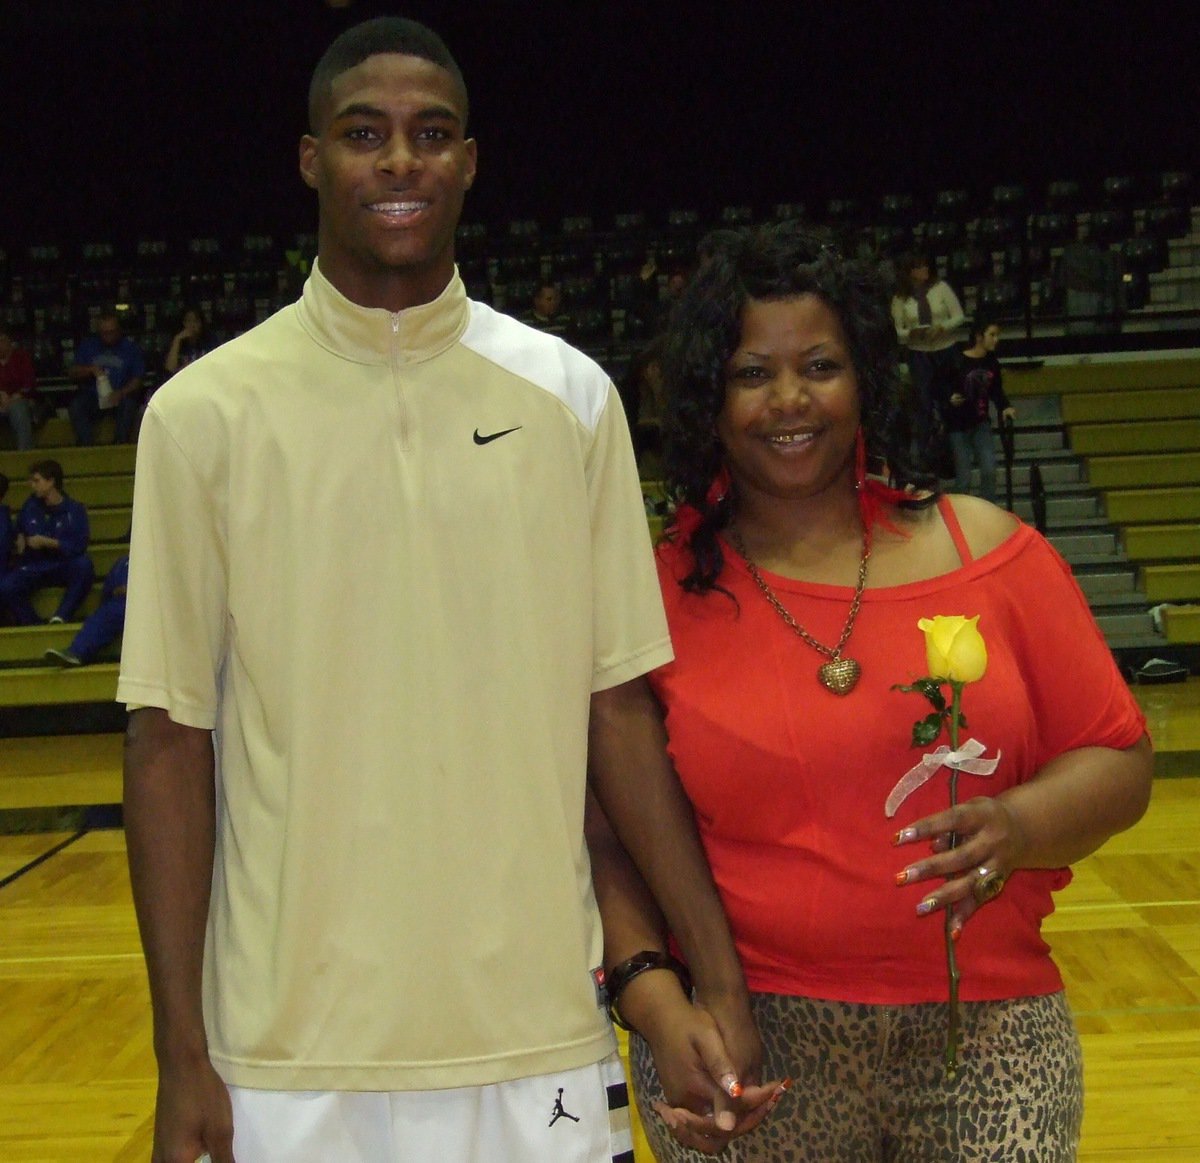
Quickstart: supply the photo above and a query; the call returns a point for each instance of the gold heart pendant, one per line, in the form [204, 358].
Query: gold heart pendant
[840, 676]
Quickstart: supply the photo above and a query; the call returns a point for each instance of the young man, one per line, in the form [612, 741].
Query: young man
[365, 901]
[51, 549]
[965, 393]
[109, 368]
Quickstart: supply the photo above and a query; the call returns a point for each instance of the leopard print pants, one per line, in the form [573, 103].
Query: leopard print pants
[869, 1085]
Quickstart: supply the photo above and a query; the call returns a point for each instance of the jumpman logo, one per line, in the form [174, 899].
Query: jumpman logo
[559, 1112]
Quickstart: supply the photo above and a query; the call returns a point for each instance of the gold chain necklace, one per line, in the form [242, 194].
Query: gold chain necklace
[839, 675]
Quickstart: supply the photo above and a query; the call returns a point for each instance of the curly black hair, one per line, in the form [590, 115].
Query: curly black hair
[776, 261]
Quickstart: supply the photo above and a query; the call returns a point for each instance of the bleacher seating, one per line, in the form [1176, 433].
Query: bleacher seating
[102, 477]
[1137, 427]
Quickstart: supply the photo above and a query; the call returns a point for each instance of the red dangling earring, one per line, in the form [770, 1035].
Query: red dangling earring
[873, 494]
[719, 489]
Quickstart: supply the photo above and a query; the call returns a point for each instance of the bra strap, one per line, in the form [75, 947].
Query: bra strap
[951, 518]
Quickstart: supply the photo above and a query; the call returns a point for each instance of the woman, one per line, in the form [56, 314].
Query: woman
[926, 313]
[965, 397]
[794, 582]
[188, 344]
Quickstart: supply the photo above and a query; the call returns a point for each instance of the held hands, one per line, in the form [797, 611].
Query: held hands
[708, 1058]
[990, 841]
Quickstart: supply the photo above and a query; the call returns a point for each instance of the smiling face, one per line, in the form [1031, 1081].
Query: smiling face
[390, 164]
[791, 408]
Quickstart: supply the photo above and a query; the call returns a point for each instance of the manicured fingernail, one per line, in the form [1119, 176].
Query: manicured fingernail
[780, 1091]
[726, 1121]
[956, 928]
[664, 1113]
[906, 875]
[731, 1086]
[905, 836]
[926, 906]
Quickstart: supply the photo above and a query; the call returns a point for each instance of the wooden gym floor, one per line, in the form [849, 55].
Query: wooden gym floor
[77, 1071]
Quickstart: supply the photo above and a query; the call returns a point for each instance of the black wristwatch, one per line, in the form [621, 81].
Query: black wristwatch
[630, 968]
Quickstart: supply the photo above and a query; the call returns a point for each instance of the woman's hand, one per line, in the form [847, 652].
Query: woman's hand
[708, 1062]
[990, 847]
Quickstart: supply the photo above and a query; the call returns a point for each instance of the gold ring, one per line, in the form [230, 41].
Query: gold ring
[988, 884]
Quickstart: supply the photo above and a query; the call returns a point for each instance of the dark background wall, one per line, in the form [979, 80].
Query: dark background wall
[119, 116]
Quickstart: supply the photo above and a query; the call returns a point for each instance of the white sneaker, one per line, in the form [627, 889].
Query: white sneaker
[56, 621]
[62, 658]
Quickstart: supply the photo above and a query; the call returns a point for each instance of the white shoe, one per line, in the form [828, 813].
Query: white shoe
[56, 621]
[62, 658]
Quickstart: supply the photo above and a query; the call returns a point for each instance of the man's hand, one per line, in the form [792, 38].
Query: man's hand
[192, 1115]
[39, 541]
[709, 1078]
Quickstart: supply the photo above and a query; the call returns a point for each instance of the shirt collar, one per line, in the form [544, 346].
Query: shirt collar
[372, 334]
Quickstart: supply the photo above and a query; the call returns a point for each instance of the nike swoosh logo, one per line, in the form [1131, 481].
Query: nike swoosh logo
[493, 436]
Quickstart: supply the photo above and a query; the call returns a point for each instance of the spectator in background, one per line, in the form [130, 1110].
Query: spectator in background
[650, 304]
[926, 312]
[189, 343]
[547, 314]
[52, 540]
[103, 625]
[1090, 281]
[6, 527]
[109, 368]
[18, 390]
[641, 392]
[965, 397]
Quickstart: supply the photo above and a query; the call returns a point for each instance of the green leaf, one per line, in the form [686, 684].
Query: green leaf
[926, 730]
[931, 688]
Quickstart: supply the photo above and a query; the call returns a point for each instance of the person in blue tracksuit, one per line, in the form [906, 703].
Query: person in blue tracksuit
[51, 542]
[101, 626]
[6, 527]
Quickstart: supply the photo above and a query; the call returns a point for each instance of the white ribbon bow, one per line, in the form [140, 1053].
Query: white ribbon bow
[966, 758]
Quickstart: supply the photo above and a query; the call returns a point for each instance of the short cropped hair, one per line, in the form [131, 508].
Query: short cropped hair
[49, 470]
[3, 484]
[385, 34]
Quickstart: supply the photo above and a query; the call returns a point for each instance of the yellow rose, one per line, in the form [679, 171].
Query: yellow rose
[954, 647]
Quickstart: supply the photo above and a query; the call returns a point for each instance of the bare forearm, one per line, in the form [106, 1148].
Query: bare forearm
[643, 800]
[1077, 801]
[170, 825]
[632, 919]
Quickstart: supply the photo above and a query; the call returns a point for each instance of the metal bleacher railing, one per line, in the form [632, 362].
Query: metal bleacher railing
[1070, 269]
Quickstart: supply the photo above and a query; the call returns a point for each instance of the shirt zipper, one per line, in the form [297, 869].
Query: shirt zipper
[401, 408]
